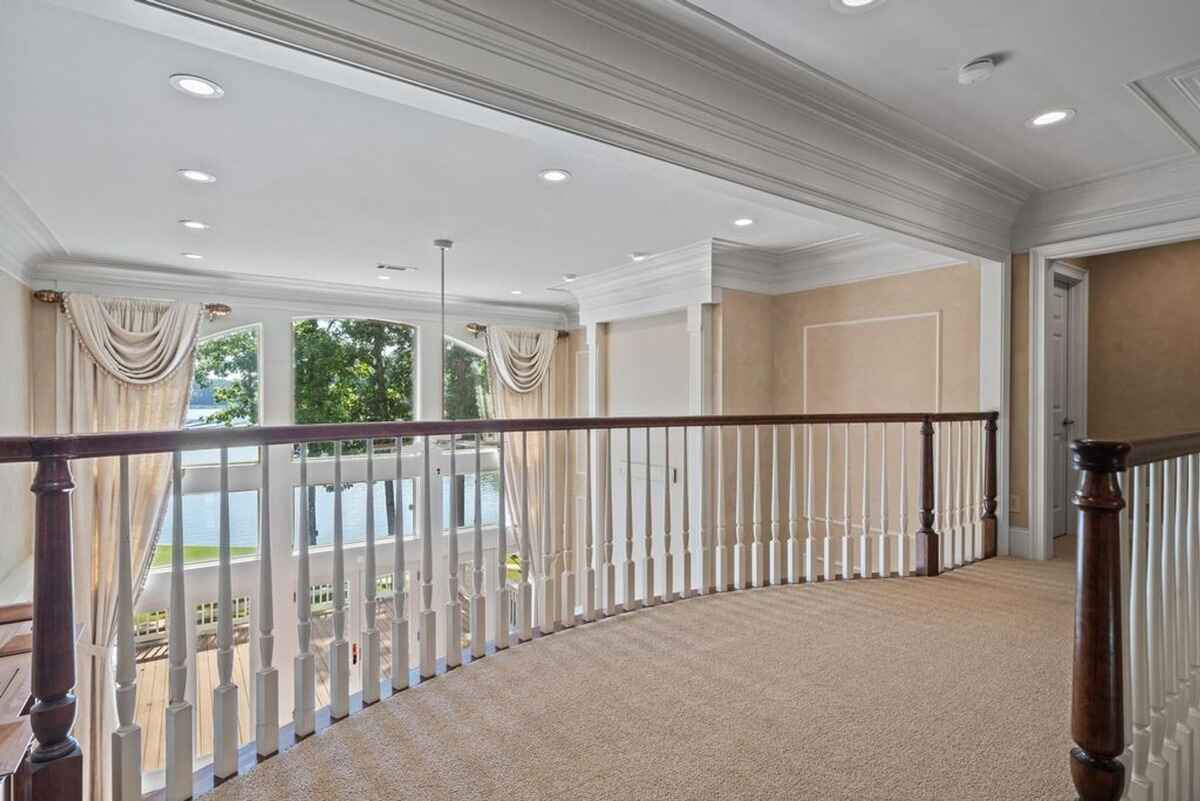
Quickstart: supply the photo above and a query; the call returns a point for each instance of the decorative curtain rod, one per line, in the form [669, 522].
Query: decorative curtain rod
[479, 329]
[214, 310]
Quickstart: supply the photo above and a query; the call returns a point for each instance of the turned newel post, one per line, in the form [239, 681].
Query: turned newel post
[989, 489]
[927, 548]
[56, 763]
[1097, 710]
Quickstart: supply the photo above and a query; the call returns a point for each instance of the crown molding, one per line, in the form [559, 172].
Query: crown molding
[24, 238]
[663, 282]
[551, 63]
[290, 294]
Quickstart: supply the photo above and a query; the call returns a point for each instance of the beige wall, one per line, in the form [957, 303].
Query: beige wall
[1018, 453]
[747, 378]
[1144, 342]
[15, 499]
[647, 365]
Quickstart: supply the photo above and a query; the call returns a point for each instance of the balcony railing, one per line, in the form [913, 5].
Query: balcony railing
[753, 501]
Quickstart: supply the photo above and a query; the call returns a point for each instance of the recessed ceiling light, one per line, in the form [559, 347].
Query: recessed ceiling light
[1055, 116]
[854, 6]
[196, 86]
[569, 277]
[516, 292]
[191, 255]
[555, 176]
[742, 222]
[199, 176]
[637, 256]
[195, 225]
[383, 277]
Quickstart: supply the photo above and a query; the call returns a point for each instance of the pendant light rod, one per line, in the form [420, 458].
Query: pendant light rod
[443, 245]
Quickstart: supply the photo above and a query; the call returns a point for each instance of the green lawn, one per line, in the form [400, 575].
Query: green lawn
[195, 553]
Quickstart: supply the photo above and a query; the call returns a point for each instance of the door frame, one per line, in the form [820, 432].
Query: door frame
[1075, 278]
[1042, 260]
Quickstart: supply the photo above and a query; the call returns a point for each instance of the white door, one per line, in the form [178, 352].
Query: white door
[1059, 350]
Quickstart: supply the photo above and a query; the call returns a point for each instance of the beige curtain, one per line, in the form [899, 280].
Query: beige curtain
[522, 365]
[122, 365]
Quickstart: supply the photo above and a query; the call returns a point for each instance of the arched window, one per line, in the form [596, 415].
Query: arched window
[466, 395]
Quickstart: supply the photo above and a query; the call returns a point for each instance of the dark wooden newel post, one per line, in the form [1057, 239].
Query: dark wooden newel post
[1097, 712]
[55, 769]
[989, 490]
[928, 550]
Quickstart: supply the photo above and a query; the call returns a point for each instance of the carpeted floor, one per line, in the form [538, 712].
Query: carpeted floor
[949, 688]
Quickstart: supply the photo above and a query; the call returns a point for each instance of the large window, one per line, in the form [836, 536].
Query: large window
[466, 394]
[201, 519]
[224, 390]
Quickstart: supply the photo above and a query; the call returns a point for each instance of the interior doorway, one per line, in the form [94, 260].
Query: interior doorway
[1066, 393]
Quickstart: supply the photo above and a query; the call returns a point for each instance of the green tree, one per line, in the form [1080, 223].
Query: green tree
[465, 384]
[227, 372]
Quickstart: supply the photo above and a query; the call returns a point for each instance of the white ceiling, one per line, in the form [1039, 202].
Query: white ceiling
[320, 181]
[1082, 54]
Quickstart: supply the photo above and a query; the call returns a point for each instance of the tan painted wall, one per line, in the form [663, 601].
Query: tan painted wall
[746, 337]
[15, 321]
[1018, 454]
[1144, 342]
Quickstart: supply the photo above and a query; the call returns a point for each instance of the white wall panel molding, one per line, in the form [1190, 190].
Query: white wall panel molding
[551, 63]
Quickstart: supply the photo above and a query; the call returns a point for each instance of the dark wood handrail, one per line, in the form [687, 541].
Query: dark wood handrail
[31, 449]
[1137, 452]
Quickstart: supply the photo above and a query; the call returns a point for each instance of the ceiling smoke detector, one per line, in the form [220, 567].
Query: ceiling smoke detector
[976, 70]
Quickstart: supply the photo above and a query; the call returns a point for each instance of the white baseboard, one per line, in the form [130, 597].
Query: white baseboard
[1020, 542]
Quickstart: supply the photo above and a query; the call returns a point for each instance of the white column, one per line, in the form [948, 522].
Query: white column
[266, 679]
[127, 739]
[702, 468]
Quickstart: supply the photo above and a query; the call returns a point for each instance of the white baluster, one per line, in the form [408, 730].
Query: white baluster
[304, 664]
[688, 589]
[225, 694]
[500, 591]
[648, 598]
[1157, 769]
[827, 546]
[630, 569]
[1183, 679]
[960, 533]
[478, 599]
[977, 493]
[567, 609]
[668, 593]
[902, 550]
[1171, 745]
[610, 569]
[178, 716]
[549, 588]
[1193, 607]
[427, 625]
[883, 552]
[127, 739]
[794, 561]
[400, 658]
[810, 568]
[724, 548]
[370, 631]
[266, 679]
[525, 597]
[1139, 783]
[776, 557]
[847, 537]
[339, 648]
[864, 539]
[589, 571]
[453, 625]
[709, 486]
[758, 549]
[741, 549]
[947, 495]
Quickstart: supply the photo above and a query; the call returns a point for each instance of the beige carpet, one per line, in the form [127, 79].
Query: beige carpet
[949, 688]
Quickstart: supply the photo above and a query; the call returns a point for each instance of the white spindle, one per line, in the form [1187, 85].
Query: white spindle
[178, 716]
[304, 664]
[370, 630]
[960, 534]
[847, 537]
[688, 589]
[827, 545]
[810, 569]
[266, 679]
[1139, 783]
[549, 588]
[776, 557]
[902, 550]
[525, 596]
[794, 563]
[668, 593]
[864, 538]
[478, 599]
[741, 549]
[225, 694]
[759, 548]
[589, 545]
[127, 739]
[977, 493]
[630, 568]
[427, 626]
[947, 495]
[724, 548]
[709, 484]
[453, 625]
[1193, 607]
[610, 569]
[883, 552]
[648, 598]
[400, 658]
[500, 599]
[1183, 679]
[566, 584]
[1171, 745]
[339, 648]
[1157, 768]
